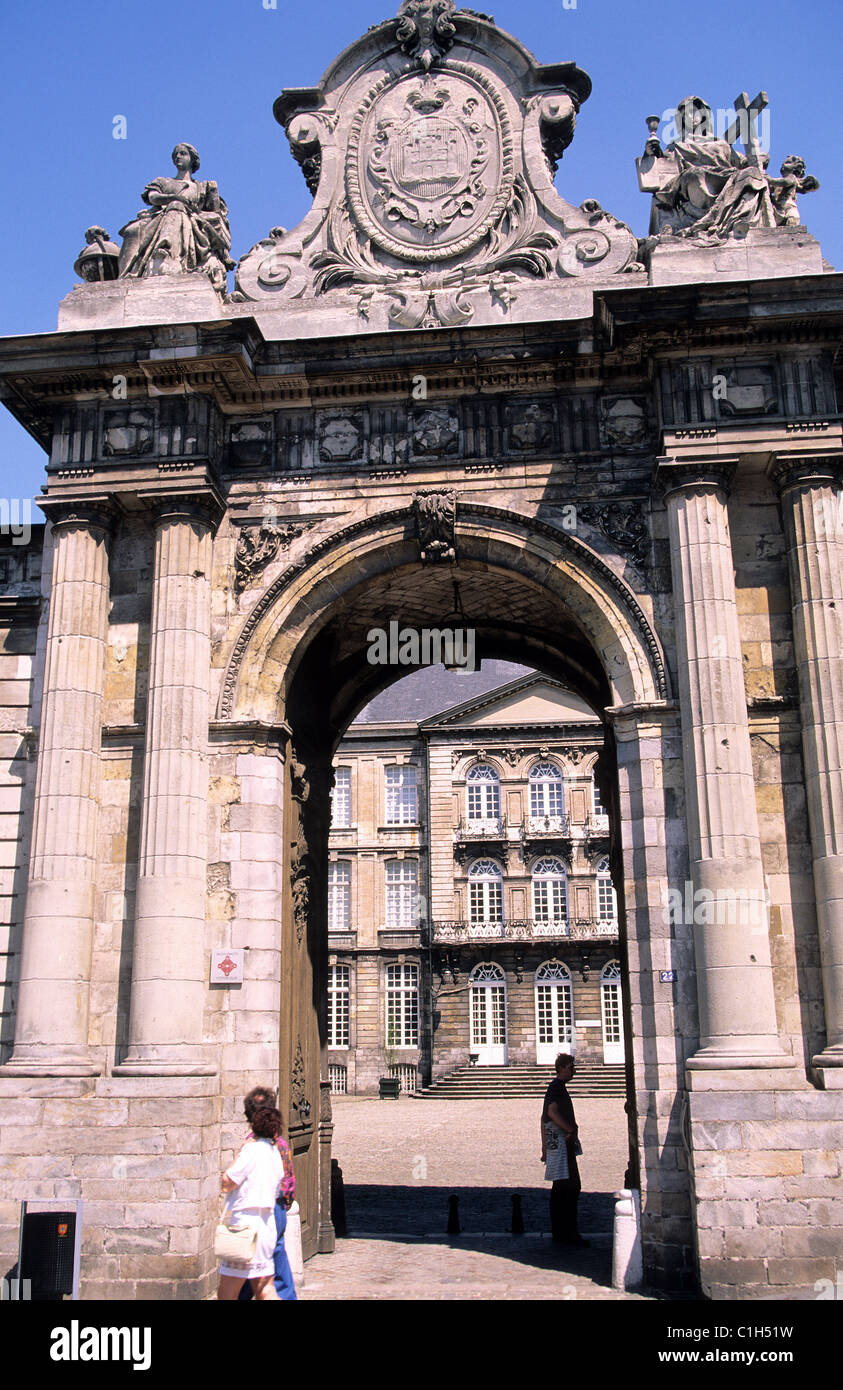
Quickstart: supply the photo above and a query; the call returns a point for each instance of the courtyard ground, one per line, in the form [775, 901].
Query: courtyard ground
[402, 1161]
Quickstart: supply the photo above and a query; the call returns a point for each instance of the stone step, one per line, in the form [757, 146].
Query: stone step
[500, 1082]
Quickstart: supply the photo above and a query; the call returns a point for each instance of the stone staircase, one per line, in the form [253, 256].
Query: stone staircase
[509, 1083]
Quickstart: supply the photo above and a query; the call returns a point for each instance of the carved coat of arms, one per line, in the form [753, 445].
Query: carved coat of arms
[429, 165]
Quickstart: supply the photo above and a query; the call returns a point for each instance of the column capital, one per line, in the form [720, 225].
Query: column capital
[204, 507]
[701, 474]
[788, 471]
[95, 514]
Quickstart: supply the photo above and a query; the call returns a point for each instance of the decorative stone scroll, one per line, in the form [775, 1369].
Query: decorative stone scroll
[425, 30]
[258, 546]
[430, 147]
[623, 525]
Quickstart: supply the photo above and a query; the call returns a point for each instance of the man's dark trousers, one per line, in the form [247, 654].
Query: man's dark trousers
[564, 1196]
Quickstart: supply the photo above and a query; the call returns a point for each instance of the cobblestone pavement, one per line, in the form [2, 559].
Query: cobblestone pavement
[401, 1162]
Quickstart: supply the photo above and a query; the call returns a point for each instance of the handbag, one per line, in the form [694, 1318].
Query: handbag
[234, 1245]
[556, 1164]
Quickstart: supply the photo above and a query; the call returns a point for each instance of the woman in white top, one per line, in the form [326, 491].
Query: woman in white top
[252, 1183]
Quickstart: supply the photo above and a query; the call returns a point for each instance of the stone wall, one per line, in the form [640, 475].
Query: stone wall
[144, 1156]
[767, 1187]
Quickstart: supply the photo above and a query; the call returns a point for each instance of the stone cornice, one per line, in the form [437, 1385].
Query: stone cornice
[251, 732]
[231, 362]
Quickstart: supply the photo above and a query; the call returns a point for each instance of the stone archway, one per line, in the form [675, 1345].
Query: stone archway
[533, 593]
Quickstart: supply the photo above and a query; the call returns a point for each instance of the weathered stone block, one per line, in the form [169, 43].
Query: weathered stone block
[124, 1241]
[714, 1135]
[813, 1241]
[800, 1271]
[726, 1213]
[823, 1163]
[785, 1214]
[734, 1271]
[762, 1242]
[165, 1112]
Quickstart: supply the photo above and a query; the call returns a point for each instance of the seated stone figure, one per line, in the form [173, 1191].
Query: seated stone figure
[713, 188]
[185, 229]
[703, 187]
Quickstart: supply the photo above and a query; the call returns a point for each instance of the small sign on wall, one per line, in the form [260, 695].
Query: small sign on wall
[587, 1023]
[667, 977]
[227, 967]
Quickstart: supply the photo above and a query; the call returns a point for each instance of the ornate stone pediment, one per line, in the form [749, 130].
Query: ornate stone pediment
[430, 146]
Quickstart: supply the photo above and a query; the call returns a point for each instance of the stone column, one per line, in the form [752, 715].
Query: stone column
[813, 525]
[51, 1034]
[732, 949]
[168, 964]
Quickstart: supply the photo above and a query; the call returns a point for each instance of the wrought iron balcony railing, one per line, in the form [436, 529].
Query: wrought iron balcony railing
[543, 826]
[491, 828]
[524, 929]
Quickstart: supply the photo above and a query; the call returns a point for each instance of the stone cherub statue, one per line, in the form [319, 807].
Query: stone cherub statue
[703, 187]
[783, 190]
[185, 228]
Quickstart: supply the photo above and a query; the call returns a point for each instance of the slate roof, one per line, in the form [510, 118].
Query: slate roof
[423, 694]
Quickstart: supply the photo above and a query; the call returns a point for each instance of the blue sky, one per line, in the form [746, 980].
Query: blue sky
[208, 72]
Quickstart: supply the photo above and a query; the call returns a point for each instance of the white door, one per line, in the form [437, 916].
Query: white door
[488, 1016]
[554, 1012]
[610, 999]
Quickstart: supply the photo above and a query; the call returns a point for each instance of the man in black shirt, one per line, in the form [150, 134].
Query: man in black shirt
[564, 1194]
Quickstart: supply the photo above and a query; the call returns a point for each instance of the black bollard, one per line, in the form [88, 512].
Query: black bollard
[453, 1216]
[517, 1215]
[338, 1200]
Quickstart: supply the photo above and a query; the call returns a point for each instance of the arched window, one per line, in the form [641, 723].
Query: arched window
[554, 1011]
[402, 893]
[607, 901]
[339, 896]
[484, 793]
[610, 1001]
[547, 792]
[550, 892]
[485, 894]
[339, 1011]
[488, 1013]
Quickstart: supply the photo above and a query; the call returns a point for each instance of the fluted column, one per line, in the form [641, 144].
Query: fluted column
[168, 962]
[51, 1032]
[813, 525]
[731, 942]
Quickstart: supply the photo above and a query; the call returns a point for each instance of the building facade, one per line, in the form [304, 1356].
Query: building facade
[471, 912]
[629, 452]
